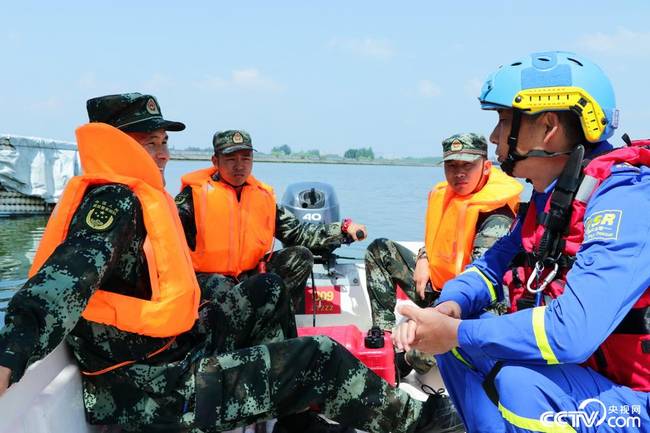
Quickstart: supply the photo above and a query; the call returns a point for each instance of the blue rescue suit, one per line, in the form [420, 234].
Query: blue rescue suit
[541, 385]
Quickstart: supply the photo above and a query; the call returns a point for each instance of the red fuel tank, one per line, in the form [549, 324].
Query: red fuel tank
[380, 360]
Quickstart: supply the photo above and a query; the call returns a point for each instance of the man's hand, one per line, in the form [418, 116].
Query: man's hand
[352, 230]
[449, 308]
[421, 276]
[426, 330]
[5, 375]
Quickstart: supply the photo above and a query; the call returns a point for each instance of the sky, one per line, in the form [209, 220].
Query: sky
[396, 76]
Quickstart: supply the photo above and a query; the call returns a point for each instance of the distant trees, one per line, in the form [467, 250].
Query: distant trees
[285, 150]
[314, 153]
[361, 153]
[281, 150]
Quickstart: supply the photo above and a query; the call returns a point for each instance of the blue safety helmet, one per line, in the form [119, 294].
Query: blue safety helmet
[555, 81]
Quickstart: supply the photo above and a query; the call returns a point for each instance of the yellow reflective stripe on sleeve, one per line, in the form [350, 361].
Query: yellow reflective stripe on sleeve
[534, 424]
[459, 357]
[540, 336]
[488, 283]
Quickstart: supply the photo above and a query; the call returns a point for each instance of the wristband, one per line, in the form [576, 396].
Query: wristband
[345, 225]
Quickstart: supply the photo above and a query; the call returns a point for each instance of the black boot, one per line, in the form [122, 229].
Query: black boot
[308, 422]
[439, 416]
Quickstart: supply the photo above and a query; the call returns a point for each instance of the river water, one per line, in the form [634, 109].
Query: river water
[389, 200]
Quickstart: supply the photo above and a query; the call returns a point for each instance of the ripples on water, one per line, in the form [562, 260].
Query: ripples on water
[19, 238]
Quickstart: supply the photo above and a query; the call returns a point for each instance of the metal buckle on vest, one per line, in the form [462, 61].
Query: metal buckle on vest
[539, 267]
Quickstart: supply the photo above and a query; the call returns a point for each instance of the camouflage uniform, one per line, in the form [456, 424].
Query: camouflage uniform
[209, 379]
[388, 263]
[294, 262]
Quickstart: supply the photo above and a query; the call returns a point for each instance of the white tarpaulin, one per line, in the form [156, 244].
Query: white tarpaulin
[37, 166]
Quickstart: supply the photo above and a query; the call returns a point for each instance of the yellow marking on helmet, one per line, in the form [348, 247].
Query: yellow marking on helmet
[576, 99]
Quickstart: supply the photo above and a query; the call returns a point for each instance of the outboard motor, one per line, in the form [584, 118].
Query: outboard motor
[315, 203]
[312, 202]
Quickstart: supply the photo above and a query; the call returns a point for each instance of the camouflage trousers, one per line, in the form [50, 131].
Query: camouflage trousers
[263, 382]
[154, 396]
[235, 385]
[238, 315]
[294, 265]
[389, 264]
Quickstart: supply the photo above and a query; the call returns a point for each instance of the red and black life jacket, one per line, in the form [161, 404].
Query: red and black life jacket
[551, 242]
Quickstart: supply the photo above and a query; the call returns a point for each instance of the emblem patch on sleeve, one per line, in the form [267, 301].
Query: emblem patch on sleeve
[603, 225]
[101, 216]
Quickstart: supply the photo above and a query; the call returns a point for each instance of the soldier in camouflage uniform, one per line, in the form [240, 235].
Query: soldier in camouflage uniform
[389, 263]
[295, 261]
[208, 379]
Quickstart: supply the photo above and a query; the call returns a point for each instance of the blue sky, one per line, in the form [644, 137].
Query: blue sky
[328, 75]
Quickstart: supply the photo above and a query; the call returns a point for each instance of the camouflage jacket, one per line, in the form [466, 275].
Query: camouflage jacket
[489, 228]
[288, 229]
[47, 311]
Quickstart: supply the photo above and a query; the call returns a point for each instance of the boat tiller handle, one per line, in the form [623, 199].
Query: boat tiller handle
[348, 239]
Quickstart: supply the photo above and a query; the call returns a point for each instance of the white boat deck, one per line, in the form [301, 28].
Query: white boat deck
[48, 399]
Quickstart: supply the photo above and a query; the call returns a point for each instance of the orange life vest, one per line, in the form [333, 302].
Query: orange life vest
[451, 222]
[109, 156]
[232, 235]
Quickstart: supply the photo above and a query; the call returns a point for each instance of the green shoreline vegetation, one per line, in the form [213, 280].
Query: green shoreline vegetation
[283, 154]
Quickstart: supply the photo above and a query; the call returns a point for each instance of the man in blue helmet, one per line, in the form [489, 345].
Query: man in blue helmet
[574, 355]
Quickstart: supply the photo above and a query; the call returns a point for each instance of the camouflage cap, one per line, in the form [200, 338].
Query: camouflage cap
[130, 112]
[225, 142]
[464, 147]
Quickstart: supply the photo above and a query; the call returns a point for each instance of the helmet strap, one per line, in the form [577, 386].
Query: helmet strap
[514, 157]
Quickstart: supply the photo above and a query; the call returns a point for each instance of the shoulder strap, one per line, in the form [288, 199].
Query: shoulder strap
[556, 221]
[572, 185]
